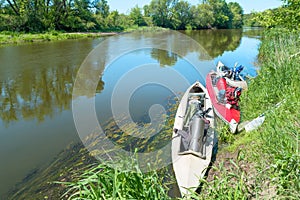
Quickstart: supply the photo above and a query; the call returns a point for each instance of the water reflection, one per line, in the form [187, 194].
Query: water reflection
[253, 32]
[165, 58]
[40, 81]
[216, 42]
[36, 94]
[36, 84]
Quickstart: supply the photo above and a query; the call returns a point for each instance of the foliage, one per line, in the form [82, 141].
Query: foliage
[230, 182]
[104, 182]
[182, 15]
[161, 12]
[95, 15]
[224, 134]
[287, 16]
[137, 16]
[223, 16]
[102, 8]
[249, 20]
[278, 82]
[237, 14]
[203, 16]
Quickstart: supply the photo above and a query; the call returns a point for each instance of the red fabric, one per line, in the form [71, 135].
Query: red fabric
[230, 96]
[221, 84]
[221, 111]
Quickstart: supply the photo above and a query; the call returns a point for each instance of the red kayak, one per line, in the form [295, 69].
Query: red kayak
[224, 99]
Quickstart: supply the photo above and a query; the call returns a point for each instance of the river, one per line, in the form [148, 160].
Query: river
[131, 75]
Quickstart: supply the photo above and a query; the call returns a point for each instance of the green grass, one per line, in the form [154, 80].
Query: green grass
[19, 38]
[226, 184]
[7, 37]
[277, 141]
[104, 182]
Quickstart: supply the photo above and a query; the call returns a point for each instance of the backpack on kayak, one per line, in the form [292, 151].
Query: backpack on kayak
[233, 95]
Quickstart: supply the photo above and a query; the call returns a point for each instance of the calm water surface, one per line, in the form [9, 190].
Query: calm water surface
[36, 84]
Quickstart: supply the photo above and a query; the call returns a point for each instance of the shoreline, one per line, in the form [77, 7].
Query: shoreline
[10, 38]
[13, 38]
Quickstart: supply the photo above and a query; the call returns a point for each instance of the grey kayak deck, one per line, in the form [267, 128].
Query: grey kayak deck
[188, 167]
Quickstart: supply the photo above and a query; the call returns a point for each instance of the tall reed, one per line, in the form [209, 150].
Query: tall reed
[106, 182]
[277, 82]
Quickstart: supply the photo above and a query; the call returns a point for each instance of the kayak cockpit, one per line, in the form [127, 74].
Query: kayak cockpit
[195, 126]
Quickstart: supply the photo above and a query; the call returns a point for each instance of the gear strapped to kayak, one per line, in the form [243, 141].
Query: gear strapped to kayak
[196, 126]
[193, 138]
[233, 95]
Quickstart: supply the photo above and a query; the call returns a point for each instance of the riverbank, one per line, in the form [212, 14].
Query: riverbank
[265, 163]
[7, 38]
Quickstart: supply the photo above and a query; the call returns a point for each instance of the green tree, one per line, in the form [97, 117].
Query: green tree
[161, 12]
[203, 16]
[182, 16]
[117, 21]
[266, 18]
[102, 8]
[136, 16]
[40, 15]
[124, 22]
[146, 10]
[287, 16]
[222, 14]
[147, 16]
[14, 6]
[237, 14]
[101, 14]
[29, 14]
[249, 20]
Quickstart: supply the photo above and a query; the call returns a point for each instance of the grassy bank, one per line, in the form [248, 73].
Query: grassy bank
[103, 182]
[262, 164]
[276, 143]
[265, 163]
[18, 38]
[7, 37]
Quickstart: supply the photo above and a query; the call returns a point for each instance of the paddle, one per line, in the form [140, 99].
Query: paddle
[258, 121]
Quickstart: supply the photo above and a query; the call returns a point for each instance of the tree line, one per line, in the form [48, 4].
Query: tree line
[286, 16]
[95, 15]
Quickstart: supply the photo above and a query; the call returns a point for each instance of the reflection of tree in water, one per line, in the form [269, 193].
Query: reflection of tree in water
[41, 93]
[253, 32]
[165, 58]
[88, 77]
[37, 94]
[216, 42]
[36, 81]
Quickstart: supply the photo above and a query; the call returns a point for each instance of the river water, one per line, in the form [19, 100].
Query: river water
[130, 74]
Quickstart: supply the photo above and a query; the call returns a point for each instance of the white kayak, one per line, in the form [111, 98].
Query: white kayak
[193, 138]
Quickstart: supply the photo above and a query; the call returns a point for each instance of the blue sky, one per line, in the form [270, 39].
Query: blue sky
[124, 6]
